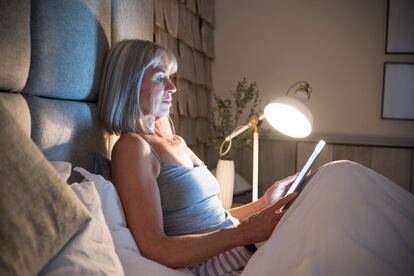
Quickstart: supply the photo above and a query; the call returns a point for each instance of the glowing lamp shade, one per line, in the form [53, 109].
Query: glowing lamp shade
[290, 116]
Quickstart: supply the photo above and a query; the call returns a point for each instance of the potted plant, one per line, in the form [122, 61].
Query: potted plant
[226, 115]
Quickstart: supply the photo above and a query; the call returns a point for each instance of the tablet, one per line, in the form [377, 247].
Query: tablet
[297, 184]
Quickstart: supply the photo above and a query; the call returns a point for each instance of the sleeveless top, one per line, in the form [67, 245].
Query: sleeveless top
[190, 204]
[189, 200]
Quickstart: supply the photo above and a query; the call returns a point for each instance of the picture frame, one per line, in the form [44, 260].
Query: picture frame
[400, 27]
[398, 91]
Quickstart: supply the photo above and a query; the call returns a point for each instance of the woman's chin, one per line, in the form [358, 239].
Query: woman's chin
[163, 114]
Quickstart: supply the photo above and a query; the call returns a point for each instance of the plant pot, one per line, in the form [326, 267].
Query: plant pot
[225, 178]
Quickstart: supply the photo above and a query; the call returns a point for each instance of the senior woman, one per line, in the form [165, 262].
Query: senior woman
[349, 220]
[168, 195]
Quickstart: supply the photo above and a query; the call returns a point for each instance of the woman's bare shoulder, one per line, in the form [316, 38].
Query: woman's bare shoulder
[132, 152]
[130, 143]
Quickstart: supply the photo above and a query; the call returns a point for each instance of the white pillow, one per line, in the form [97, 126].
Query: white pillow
[91, 251]
[128, 252]
[62, 168]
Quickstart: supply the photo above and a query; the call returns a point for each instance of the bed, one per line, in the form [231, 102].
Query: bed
[50, 62]
[51, 58]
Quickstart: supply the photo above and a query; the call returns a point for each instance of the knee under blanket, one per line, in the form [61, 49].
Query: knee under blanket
[348, 220]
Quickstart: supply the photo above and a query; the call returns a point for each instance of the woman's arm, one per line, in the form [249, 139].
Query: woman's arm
[134, 174]
[245, 211]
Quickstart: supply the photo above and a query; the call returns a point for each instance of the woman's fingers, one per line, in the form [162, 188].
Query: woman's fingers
[289, 179]
[288, 183]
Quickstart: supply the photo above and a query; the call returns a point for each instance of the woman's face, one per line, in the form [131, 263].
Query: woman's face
[156, 90]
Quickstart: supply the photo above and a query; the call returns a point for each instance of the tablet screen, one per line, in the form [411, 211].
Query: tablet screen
[304, 172]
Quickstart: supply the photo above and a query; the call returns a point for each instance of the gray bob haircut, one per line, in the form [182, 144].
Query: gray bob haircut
[119, 99]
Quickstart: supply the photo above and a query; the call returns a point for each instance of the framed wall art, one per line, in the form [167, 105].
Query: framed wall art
[398, 91]
[400, 27]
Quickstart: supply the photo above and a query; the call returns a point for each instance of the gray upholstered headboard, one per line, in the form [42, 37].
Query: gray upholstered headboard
[51, 57]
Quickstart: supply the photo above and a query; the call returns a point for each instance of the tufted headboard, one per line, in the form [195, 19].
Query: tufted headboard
[52, 54]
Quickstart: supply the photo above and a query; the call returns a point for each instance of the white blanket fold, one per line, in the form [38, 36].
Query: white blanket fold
[349, 220]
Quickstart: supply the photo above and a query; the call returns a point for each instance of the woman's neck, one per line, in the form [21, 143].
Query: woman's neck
[149, 122]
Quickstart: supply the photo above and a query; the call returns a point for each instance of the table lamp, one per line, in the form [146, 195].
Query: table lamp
[288, 115]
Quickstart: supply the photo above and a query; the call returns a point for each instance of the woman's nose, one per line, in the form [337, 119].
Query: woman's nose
[170, 87]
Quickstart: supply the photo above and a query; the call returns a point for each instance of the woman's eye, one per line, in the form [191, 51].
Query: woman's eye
[160, 78]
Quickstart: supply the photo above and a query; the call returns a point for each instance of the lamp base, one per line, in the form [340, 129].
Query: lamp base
[225, 178]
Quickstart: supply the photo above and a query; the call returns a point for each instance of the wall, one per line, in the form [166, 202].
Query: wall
[335, 45]
[186, 27]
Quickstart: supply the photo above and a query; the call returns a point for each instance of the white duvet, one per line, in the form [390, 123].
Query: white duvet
[349, 220]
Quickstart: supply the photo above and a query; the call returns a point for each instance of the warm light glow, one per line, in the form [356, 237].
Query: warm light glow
[289, 117]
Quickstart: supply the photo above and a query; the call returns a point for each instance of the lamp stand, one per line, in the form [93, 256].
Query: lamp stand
[253, 122]
[255, 181]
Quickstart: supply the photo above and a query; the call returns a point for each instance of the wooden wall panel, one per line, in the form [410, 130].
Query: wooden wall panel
[394, 163]
[178, 27]
[202, 130]
[191, 5]
[186, 68]
[170, 10]
[159, 14]
[277, 160]
[207, 39]
[185, 33]
[209, 77]
[206, 9]
[359, 154]
[200, 68]
[203, 101]
[412, 170]
[181, 96]
[243, 162]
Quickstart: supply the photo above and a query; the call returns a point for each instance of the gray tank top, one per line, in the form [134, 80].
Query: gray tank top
[189, 199]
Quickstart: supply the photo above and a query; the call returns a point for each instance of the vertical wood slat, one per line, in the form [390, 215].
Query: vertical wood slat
[202, 130]
[203, 101]
[206, 9]
[305, 149]
[176, 124]
[211, 157]
[174, 105]
[187, 126]
[170, 11]
[358, 154]
[196, 32]
[181, 95]
[412, 170]
[191, 5]
[207, 39]
[186, 68]
[185, 31]
[164, 39]
[276, 161]
[158, 12]
[394, 163]
[209, 77]
[192, 100]
[243, 162]
[200, 67]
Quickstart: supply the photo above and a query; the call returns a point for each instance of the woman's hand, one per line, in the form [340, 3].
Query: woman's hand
[259, 226]
[277, 191]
